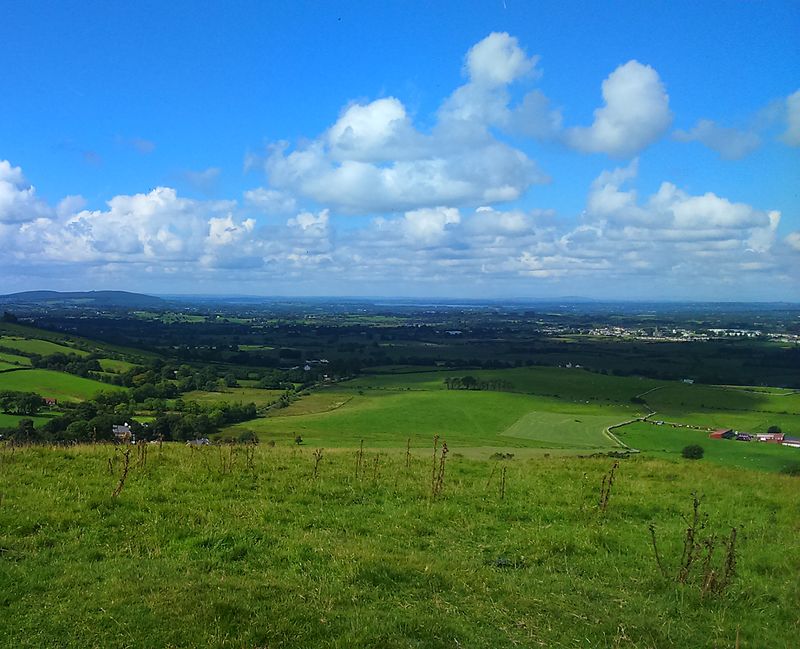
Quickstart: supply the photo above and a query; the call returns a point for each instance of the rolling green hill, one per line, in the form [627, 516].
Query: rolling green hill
[57, 385]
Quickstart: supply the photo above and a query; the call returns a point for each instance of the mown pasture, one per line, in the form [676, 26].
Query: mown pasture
[234, 547]
[57, 385]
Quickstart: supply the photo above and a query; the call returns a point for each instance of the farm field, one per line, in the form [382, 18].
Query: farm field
[565, 430]
[726, 407]
[9, 421]
[53, 384]
[234, 395]
[37, 346]
[14, 359]
[264, 554]
[115, 366]
[668, 442]
[572, 383]
[33, 334]
[339, 418]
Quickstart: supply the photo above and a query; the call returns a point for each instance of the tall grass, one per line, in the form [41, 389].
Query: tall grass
[261, 556]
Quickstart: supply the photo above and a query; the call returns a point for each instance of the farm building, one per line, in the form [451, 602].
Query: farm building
[744, 437]
[791, 441]
[50, 401]
[122, 433]
[722, 433]
[774, 438]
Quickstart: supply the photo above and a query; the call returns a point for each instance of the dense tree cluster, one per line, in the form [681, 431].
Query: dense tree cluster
[469, 382]
[20, 403]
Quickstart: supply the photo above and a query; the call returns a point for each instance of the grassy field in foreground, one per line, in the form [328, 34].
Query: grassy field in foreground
[388, 419]
[264, 555]
[53, 384]
[665, 441]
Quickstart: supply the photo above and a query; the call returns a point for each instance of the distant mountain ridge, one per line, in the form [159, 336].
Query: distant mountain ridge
[85, 298]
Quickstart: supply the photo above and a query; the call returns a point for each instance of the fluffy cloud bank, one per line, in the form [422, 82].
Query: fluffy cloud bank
[669, 236]
[373, 159]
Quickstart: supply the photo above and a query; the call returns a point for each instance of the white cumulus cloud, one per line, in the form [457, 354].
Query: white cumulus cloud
[635, 114]
[18, 200]
[373, 159]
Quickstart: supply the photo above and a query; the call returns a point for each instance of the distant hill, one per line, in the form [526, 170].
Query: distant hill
[122, 299]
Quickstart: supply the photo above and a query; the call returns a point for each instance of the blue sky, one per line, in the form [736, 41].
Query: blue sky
[612, 150]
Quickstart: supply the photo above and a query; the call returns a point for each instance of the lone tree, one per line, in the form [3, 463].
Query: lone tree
[692, 452]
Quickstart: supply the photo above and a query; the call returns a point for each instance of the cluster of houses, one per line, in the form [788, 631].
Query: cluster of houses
[770, 438]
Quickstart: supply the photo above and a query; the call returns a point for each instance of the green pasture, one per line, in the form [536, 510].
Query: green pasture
[32, 333]
[37, 346]
[668, 442]
[234, 395]
[680, 397]
[14, 359]
[53, 384]
[338, 418]
[573, 384]
[314, 403]
[255, 348]
[7, 366]
[11, 421]
[726, 407]
[115, 366]
[257, 552]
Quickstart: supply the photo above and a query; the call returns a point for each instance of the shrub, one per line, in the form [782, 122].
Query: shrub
[793, 469]
[692, 452]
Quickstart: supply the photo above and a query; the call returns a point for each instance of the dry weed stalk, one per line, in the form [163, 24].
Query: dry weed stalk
[435, 454]
[491, 475]
[503, 484]
[126, 465]
[317, 459]
[359, 459]
[408, 453]
[605, 487]
[699, 551]
[438, 482]
[375, 474]
[141, 451]
[250, 454]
